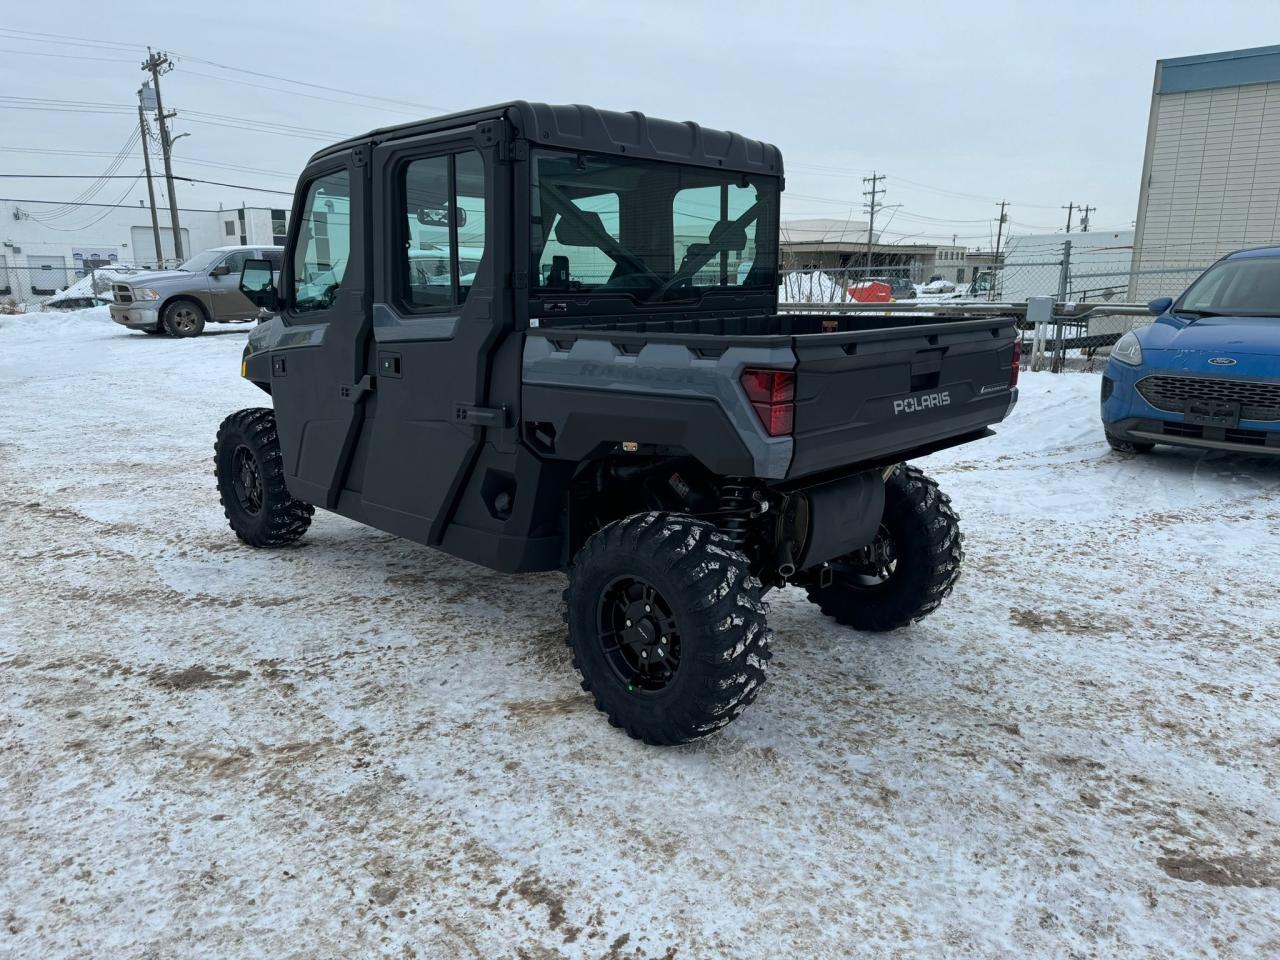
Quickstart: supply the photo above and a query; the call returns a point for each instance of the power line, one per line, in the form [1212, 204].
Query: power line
[313, 86]
[89, 176]
[138, 156]
[63, 56]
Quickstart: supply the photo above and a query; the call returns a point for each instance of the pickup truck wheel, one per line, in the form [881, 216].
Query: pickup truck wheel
[183, 318]
[251, 488]
[666, 626]
[907, 571]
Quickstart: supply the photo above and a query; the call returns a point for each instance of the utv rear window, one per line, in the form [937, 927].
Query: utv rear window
[648, 230]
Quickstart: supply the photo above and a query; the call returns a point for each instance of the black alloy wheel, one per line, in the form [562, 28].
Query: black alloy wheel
[638, 634]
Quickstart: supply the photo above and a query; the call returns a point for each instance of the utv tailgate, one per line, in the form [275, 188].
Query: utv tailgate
[868, 395]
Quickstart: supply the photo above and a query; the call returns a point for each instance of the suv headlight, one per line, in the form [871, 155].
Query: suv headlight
[146, 293]
[1128, 350]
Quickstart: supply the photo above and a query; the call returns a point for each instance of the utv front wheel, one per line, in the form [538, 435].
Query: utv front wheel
[910, 567]
[250, 472]
[666, 626]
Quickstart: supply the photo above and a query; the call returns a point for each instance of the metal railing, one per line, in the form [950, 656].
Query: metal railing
[1047, 336]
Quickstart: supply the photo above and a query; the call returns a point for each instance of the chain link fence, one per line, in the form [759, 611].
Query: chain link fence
[54, 286]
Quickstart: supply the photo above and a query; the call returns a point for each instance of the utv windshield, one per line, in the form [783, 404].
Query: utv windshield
[1248, 287]
[648, 230]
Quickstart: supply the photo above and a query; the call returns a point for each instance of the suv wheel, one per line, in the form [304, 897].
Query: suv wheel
[183, 318]
[910, 567]
[251, 488]
[666, 626]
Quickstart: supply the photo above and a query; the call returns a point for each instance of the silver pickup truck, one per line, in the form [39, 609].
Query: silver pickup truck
[202, 290]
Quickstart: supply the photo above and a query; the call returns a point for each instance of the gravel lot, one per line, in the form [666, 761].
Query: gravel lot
[359, 747]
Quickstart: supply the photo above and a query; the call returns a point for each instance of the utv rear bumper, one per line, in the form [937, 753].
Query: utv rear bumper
[1182, 434]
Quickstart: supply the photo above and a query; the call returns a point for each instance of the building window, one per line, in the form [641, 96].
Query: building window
[231, 228]
[279, 227]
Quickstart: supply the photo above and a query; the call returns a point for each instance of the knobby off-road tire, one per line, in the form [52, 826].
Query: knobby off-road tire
[251, 488]
[679, 594]
[1120, 445]
[183, 318]
[925, 544]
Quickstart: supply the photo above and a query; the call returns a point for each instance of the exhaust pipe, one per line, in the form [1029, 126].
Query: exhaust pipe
[787, 562]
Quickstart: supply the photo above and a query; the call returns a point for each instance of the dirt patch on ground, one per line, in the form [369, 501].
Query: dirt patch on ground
[193, 678]
[1225, 871]
[547, 709]
[1056, 621]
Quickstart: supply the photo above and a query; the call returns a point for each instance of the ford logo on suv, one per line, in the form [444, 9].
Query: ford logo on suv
[1222, 361]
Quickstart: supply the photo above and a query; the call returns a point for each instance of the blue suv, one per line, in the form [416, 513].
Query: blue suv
[1206, 373]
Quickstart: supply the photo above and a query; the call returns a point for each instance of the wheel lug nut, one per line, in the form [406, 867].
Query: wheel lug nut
[647, 608]
[628, 623]
[645, 654]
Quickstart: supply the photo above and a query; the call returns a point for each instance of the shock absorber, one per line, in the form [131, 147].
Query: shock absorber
[736, 508]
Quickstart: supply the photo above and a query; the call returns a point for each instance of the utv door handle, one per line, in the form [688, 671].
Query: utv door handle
[356, 390]
[479, 416]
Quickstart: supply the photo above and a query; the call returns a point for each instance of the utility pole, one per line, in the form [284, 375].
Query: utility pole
[1070, 207]
[143, 99]
[1084, 218]
[156, 64]
[872, 207]
[995, 261]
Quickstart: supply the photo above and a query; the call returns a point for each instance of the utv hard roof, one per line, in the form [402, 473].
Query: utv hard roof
[577, 127]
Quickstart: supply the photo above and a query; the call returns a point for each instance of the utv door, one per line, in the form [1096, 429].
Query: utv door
[318, 375]
[434, 326]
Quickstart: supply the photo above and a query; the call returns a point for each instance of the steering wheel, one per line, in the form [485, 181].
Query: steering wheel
[329, 295]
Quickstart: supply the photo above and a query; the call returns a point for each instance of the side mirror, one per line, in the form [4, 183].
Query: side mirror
[258, 284]
[1159, 305]
[221, 270]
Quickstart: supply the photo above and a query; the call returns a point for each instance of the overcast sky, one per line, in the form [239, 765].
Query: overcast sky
[959, 105]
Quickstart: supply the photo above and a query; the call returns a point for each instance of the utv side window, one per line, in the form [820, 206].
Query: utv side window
[324, 243]
[445, 229]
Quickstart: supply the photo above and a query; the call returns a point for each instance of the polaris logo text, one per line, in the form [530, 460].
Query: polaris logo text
[925, 401]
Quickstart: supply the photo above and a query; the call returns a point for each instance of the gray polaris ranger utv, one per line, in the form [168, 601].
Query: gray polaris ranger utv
[546, 338]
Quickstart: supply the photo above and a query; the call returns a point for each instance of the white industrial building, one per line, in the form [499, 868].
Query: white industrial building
[45, 247]
[1211, 172]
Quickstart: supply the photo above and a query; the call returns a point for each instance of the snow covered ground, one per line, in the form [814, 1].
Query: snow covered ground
[359, 747]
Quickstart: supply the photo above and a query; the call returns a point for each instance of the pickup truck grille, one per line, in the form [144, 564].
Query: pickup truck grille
[1258, 401]
[122, 293]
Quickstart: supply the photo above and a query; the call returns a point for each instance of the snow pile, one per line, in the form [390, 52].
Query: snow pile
[815, 287]
[42, 325]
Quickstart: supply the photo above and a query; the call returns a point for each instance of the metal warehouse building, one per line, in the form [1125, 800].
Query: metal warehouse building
[1211, 173]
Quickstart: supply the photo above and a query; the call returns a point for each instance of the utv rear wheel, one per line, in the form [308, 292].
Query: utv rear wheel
[251, 488]
[183, 318]
[907, 571]
[666, 626]
[1120, 445]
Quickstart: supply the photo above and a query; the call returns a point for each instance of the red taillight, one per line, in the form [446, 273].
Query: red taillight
[772, 394]
[1017, 362]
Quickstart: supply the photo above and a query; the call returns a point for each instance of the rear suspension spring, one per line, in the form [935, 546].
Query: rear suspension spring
[736, 509]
